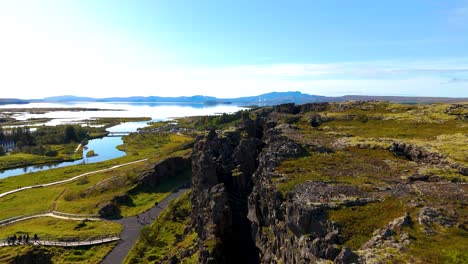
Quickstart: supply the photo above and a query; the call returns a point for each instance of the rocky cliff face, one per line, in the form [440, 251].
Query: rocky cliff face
[164, 169]
[242, 216]
[222, 165]
[293, 229]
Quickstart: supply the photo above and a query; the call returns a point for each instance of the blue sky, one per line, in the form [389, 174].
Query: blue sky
[233, 48]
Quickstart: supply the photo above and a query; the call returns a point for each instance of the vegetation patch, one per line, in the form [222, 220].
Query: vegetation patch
[359, 222]
[363, 168]
[143, 200]
[85, 254]
[165, 238]
[61, 229]
[445, 246]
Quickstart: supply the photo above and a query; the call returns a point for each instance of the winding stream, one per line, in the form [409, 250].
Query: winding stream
[105, 148]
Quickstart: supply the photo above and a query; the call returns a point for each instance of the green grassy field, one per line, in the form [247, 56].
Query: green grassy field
[85, 195]
[53, 228]
[66, 152]
[136, 150]
[86, 255]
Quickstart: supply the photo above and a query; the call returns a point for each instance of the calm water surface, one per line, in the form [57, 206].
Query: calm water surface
[106, 147]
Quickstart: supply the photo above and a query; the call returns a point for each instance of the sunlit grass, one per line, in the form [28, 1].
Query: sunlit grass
[53, 228]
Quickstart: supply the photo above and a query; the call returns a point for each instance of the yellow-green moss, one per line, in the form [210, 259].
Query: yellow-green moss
[359, 222]
[359, 167]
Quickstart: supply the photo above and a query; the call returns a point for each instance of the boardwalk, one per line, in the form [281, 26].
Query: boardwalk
[132, 228]
[67, 243]
[69, 180]
[128, 237]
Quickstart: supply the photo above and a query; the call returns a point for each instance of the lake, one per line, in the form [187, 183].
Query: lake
[106, 147]
[156, 111]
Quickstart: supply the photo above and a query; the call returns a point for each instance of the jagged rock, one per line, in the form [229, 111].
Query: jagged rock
[332, 252]
[459, 110]
[314, 107]
[462, 170]
[167, 168]
[110, 210]
[417, 177]
[222, 167]
[418, 154]
[321, 192]
[123, 199]
[287, 228]
[384, 237]
[315, 120]
[347, 256]
[429, 216]
[290, 108]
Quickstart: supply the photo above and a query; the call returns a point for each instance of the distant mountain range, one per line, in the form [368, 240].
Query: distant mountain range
[263, 99]
[4, 101]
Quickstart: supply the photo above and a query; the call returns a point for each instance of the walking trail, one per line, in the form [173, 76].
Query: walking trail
[68, 180]
[54, 214]
[132, 227]
[128, 237]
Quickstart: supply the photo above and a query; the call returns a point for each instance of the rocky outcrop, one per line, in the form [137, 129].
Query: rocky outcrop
[458, 110]
[386, 237]
[123, 199]
[167, 168]
[387, 243]
[237, 206]
[428, 216]
[313, 107]
[347, 256]
[289, 108]
[109, 211]
[292, 229]
[416, 153]
[241, 216]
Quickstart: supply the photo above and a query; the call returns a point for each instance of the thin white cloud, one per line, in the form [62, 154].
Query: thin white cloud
[101, 80]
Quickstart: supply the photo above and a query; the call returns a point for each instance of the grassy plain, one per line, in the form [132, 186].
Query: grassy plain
[53, 228]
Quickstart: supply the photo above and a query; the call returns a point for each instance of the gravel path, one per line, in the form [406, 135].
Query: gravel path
[132, 227]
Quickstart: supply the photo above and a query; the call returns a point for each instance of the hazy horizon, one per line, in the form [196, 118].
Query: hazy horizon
[253, 95]
[233, 49]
